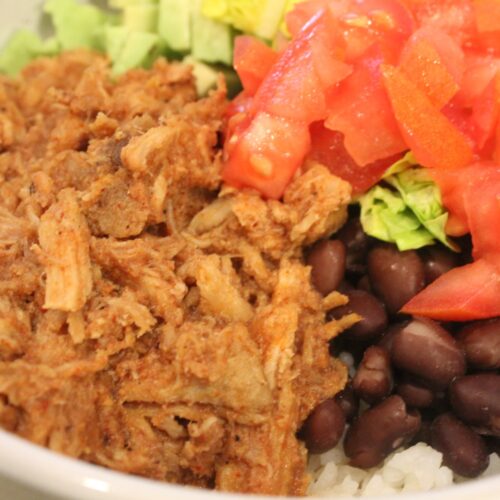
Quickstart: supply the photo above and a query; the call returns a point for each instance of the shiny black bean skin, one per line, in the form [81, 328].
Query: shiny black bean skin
[424, 349]
[372, 311]
[438, 261]
[379, 431]
[476, 400]
[356, 242]
[324, 427]
[395, 276]
[373, 380]
[328, 260]
[415, 395]
[464, 452]
[349, 402]
[481, 343]
[388, 337]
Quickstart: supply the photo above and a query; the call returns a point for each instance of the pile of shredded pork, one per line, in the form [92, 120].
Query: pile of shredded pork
[153, 320]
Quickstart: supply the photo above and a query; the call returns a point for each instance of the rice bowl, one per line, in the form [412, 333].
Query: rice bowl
[26, 465]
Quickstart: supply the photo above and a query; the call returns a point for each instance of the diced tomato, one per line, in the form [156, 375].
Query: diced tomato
[296, 87]
[253, 60]
[265, 153]
[462, 294]
[480, 69]
[429, 134]
[239, 110]
[328, 148]
[455, 17]
[487, 17]
[421, 62]
[482, 205]
[486, 111]
[361, 110]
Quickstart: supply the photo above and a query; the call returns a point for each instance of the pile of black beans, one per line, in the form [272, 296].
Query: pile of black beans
[420, 381]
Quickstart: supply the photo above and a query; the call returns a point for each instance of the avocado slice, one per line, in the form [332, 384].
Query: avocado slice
[174, 23]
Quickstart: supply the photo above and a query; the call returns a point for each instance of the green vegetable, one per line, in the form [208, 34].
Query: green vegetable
[408, 211]
[174, 24]
[258, 17]
[130, 49]
[211, 40]
[141, 17]
[76, 25]
[22, 48]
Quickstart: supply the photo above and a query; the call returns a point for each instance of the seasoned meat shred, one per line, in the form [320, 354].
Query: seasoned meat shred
[153, 320]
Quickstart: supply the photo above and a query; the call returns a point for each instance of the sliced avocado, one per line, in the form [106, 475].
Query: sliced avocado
[211, 41]
[269, 21]
[141, 17]
[116, 36]
[122, 4]
[174, 23]
[76, 25]
[22, 47]
[205, 75]
[139, 50]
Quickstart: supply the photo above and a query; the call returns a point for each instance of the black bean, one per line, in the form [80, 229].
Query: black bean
[324, 427]
[427, 351]
[379, 431]
[438, 261]
[356, 242]
[464, 452]
[349, 402]
[476, 400]
[364, 284]
[372, 311]
[327, 259]
[395, 276]
[481, 342]
[493, 444]
[373, 379]
[388, 337]
[414, 394]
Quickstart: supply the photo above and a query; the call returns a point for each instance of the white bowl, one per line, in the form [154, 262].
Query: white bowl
[29, 472]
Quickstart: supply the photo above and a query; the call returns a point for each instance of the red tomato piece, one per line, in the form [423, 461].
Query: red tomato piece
[455, 17]
[296, 88]
[428, 133]
[480, 69]
[487, 17]
[482, 205]
[253, 60]
[421, 62]
[486, 112]
[361, 111]
[265, 153]
[328, 149]
[462, 294]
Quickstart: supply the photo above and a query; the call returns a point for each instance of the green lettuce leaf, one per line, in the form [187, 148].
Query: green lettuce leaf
[258, 17]
[407, 210]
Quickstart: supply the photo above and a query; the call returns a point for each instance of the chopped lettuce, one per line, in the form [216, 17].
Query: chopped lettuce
[258, 17]
[408, 210]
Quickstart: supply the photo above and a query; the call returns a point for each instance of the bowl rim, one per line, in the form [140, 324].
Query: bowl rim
[53, 473]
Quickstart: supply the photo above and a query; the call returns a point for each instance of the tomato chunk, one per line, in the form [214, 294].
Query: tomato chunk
[422, 64]
[253, 60]
[265, 153]
[328, 148]
[430, 135]
[462, 294]
[361, 111]
[297, 84]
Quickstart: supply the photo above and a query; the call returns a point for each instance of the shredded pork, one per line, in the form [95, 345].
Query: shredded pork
[152, 320]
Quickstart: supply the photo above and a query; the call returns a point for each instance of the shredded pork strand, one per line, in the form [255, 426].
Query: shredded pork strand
[153, 320]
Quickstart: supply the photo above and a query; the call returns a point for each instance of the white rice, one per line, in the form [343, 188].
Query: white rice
[418, 468]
